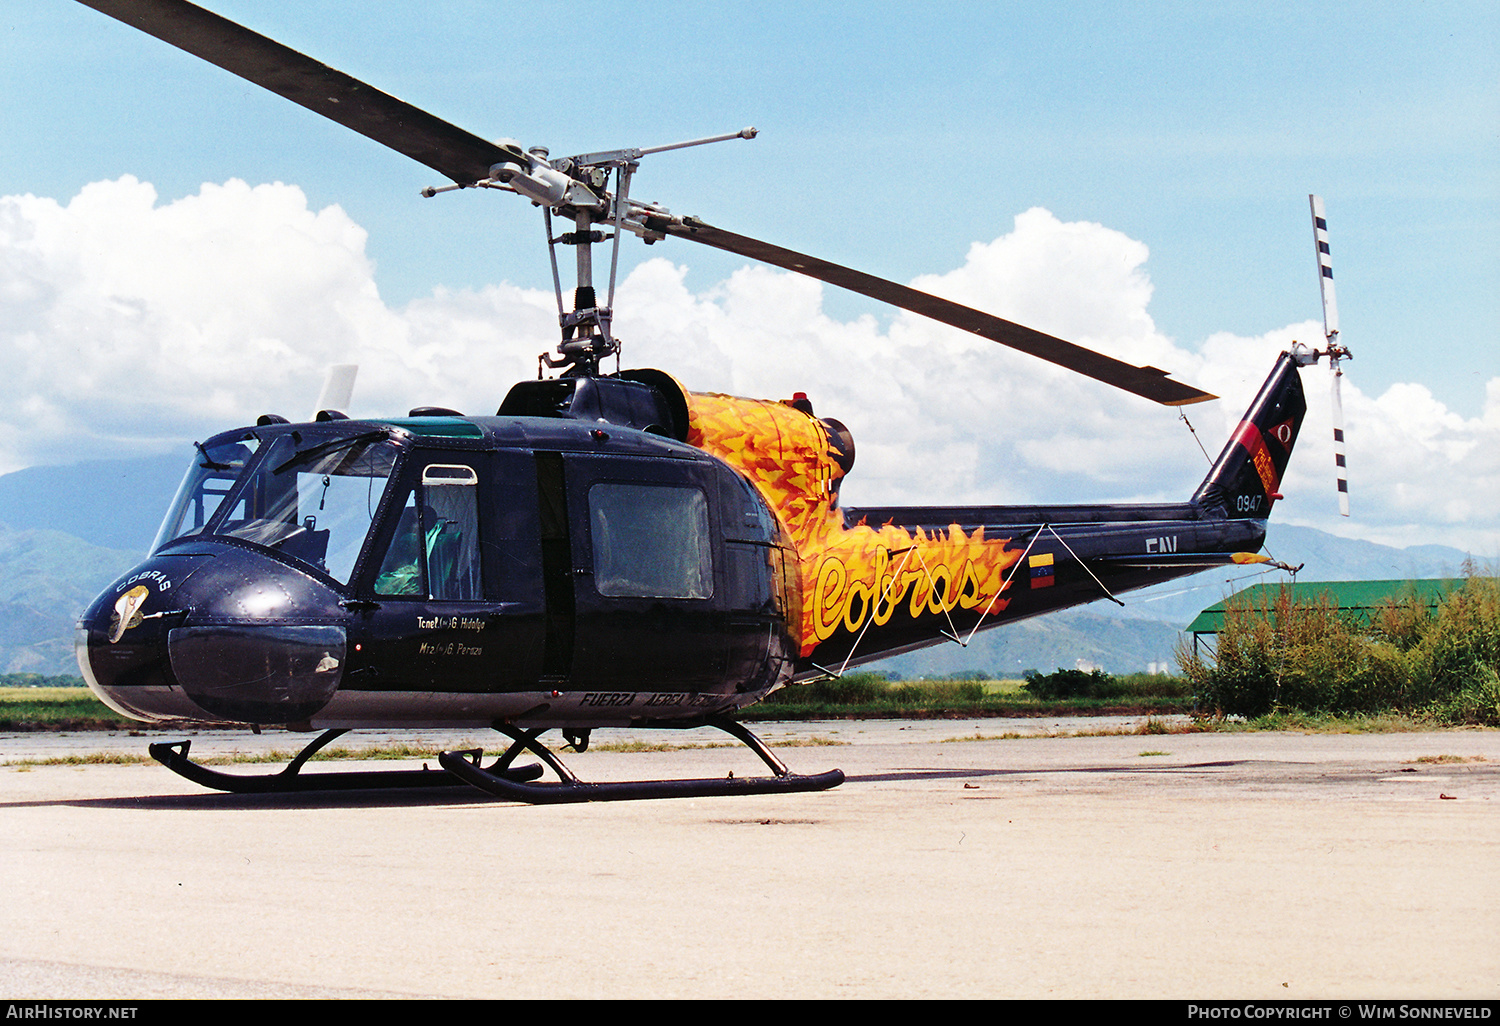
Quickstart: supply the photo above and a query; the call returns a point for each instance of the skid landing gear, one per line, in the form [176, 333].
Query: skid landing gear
[500, 782]
[174, 756]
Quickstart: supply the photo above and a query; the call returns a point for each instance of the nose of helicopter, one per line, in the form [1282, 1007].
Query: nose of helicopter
[223, 636]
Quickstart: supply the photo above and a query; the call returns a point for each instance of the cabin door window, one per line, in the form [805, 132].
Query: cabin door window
[434, 553]
[650, 541]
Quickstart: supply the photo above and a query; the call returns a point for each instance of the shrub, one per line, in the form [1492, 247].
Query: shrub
[1309, 656]
[1152, 685]
[851, 688]
[1070, 684]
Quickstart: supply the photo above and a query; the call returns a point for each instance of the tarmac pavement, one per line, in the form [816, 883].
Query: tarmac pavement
[954, 862]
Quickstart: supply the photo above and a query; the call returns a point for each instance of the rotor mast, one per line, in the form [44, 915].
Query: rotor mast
[577, 189]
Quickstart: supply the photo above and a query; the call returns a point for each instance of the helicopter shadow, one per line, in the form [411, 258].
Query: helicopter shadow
[221, 801]
[458, 796]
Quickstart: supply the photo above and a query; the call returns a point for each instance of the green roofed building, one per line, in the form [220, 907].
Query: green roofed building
[1358, 599]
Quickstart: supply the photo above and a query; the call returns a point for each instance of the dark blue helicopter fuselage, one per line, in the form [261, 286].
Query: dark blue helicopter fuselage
[449, 571]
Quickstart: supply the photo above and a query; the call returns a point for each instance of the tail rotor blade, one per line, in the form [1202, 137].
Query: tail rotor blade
[1325, 269]
[1340, 468]
[1335, 351]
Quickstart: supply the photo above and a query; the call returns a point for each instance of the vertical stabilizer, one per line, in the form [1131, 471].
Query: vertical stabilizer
[1246, 479]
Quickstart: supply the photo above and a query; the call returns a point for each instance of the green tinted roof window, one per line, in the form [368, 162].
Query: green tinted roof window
[447, 427]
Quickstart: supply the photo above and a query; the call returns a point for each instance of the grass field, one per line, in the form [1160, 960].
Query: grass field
[53, 708]
[857, 695]
[863, 694]
[76, 708]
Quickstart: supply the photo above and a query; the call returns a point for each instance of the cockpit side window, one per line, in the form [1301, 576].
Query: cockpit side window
[434, 552]
[401, 573]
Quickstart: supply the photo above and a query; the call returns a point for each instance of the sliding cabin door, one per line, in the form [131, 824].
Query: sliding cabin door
[643, 550]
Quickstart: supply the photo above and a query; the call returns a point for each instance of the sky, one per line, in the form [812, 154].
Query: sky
[181, 251]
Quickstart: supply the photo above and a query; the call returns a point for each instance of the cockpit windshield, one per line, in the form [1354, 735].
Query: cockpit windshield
[211, 475]
[311, 498]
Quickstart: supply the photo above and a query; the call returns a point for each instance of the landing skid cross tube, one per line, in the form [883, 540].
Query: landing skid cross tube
[174, 756]
[568, 788]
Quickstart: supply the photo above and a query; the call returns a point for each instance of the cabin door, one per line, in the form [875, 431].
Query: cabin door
[643, 548]
[453, 603]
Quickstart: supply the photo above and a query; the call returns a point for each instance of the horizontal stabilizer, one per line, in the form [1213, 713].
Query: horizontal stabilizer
[1172, 559]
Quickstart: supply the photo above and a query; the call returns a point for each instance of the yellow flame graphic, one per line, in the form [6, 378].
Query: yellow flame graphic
[852, 578]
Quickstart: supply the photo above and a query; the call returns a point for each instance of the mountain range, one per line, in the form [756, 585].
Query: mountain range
[67, 531]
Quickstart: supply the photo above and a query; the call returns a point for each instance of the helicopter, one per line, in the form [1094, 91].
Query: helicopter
[610, 548]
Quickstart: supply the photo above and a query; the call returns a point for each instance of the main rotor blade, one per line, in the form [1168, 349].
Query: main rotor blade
[1148, 382]
[449, 150]
[465, 158]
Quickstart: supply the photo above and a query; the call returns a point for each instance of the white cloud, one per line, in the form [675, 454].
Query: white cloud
[126, 323]
[141, 321]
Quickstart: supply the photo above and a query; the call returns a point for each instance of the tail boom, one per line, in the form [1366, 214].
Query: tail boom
[878, 581]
